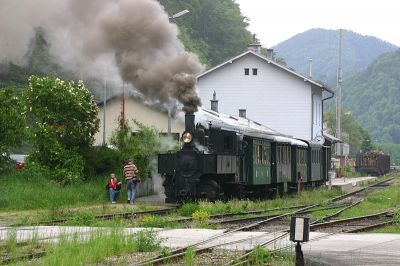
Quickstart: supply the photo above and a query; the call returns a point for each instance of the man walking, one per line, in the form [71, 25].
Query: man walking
[131, 178]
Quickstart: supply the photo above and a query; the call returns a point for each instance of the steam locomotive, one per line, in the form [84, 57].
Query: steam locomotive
[234, 157]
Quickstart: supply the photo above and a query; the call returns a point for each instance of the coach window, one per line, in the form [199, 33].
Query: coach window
[246, 71]
[227, 143]
[265, 155]
[259, 153]
[254, 71]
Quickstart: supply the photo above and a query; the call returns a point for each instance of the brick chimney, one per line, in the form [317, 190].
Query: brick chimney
[254, 47]
[214, 103]
[242, 113]
[270, 54]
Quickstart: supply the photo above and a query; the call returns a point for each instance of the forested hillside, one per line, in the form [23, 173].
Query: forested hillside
[322, 46]
[215, 30]
[372, 96]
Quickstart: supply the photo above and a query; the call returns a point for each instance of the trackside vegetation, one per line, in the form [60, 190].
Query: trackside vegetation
[83, 249]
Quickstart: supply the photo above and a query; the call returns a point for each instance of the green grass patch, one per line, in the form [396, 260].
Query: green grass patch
[10, 249]
[156, 221]
[23, 190]
[378, 201]
[79, 250]
[190, 257]
[318, 195]
[262, 256]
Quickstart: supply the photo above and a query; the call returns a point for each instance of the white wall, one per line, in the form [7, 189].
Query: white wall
[274, 97]
[134, 109]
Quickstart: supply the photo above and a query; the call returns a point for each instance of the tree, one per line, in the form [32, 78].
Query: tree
[63, 123]
[216, 29]
[366, 144]
[142, 146]
[12, 121]
[350, 127]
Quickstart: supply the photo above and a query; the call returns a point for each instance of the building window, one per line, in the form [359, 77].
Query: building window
[254, 71]
[246, 71]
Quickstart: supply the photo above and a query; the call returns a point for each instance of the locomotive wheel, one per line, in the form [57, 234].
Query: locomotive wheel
[208, 189]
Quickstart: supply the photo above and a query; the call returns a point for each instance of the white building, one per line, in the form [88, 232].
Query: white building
[135, 108]
[272, 94]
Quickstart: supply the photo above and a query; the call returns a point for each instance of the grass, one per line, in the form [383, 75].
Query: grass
[156, 221]
[318, 195]
[24, 191]
[377, 201]
[95, 248]
[262, 256]
[82, 217]
[11, 249]
[392, 229]
[190, 257]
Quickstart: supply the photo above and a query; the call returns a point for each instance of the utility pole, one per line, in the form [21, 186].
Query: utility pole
[104, 112]
[169, 112]
[123, 107]
[339, 97]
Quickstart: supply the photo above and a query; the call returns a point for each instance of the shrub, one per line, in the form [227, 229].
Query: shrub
[146, 241]
[12, 122]
[154, 221]
[201, 216]
[259, 256]
[63, 123]
[190, 256]
[101, 160]
[142, 146]
[188, 209]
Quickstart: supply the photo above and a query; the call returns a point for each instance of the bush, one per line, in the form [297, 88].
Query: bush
[101, 160]
[201, 216]
[155, 221]
[142, 146]
[188, 209]
[63, 123]
[146, 241]
[259, 256]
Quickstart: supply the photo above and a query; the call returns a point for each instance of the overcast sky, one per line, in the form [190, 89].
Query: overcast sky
[277, 21]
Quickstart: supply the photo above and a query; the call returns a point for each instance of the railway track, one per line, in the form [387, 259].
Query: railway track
[379, 184]
[123, 215]
[350, 225]
[24, 257]
[177, 253]
[356, 224]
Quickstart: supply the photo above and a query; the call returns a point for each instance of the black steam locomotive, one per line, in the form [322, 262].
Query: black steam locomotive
[373, 162]
[239, 159]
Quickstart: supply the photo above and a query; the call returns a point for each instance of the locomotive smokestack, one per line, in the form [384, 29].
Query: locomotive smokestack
[189, 122]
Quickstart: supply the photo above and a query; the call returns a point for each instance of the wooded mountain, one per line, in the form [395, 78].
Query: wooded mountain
[372, 96]
[214, 30]
[323, 47]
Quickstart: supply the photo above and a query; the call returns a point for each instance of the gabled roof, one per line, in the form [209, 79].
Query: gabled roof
[136, 96]
[269, 61]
